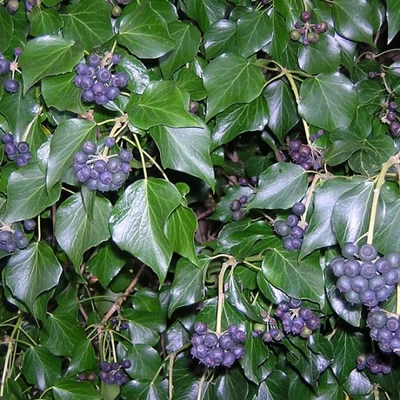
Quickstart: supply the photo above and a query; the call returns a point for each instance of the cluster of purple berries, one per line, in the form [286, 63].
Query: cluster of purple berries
[291, 230]
[297, 320]
[385, 329]
[90, 377]
[363, 276]
[16, 151]
[270, 331]
[111, 373]
[371, 362]
[213, 350]
[13, 5]
[305, 31]
[103, 173]
[114, 322]
[13, 239]
[304, 155]
[11, 85]
[391, 118]
[238, 205]
[96, 80]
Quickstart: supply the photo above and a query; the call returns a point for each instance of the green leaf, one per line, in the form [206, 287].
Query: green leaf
[41, 368]
[77, 231]
[393, 18]
[146, 362]
[161, 104]
[147, 202]
[144, 32]
[328, 101]
[280, 186]
[187, 40]
[67, 389]
[186, 150]
[180, 229]
[254, 30]
[66, 142]
[358, 29]
[88, 22]
[323, 56]
[386, 238]
[188, 285]
[106, 263]
[238, 119]
[358, 384]
[282, 108]
[48, 55]
[61, 92]
[341, 151]
[6, 29]
[187, 80]
[280, 38]
[232, 386]
[82, 358]
[276, 387]
[46, 22]
[299, 279]
[223, 90]
[220, 38]
[27, 193]
[146, 390]
[138, 74]
[32, 271]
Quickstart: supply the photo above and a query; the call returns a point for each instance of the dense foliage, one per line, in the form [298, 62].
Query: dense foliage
[199, 199]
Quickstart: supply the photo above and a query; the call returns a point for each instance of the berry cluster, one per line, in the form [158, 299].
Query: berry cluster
[86, 377]
[292, 230]
[212, 350]
[97, 81]
[390, 117]
[364, 277]
[304, 155]
[114, 322]
[297, 320]
[237, 205]
[272, 333]
[111, 373]
[99, 172]
[385, 329]
[18, 152]
[372, 363]
[12, 239]
[305, 31]
[11, 85]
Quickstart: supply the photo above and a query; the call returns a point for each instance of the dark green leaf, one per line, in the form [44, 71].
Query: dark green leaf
[146, 390]
[341, 151]
[48, 55]
[328, 101]
[276, 387]
[82, 358]
[280, 186]
[393, 18]
[357, 384]
[67, 389]
[46, 22]
[189, 81]
[146, 203]
[232, 386]
[146, 362]
[386, 238]
[6, 29]
[186, 150]
[222, 90]
[280, 38]
[220, 38]
[144, 32]
[138, 74]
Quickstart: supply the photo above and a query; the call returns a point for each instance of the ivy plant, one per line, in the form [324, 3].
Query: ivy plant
[199, 199]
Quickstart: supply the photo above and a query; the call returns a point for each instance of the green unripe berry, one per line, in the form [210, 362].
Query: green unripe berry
[312, 37]
[116, 11]
[295, 35]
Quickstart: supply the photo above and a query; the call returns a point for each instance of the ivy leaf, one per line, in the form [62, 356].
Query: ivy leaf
[46, 22]
[358, 29]
[188, 285]
[186, 149]
[27, 193]
[299, 279]
[393, 18]
[41, 368]
[386, 238]
[254, 30]
[341, 151]
[66, 142]
[147, 202]
[193, 84]
[77, 231]
[328, 101]
[179, 229]
[82, 358]
[138, 74]
[238, 119]
[280, 186]
[32, 271]
[220, 38]
[161, 104]
[146, 390]
[222, 90]
[282, 108]
[187, 39]
[144, 32]
[48, 55]
[232, 386]
[147, 361]
[67, 389]
[274, 388]
[6, 29]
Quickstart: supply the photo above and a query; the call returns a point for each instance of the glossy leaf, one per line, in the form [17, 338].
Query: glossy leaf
[328, 101]
[138, 74]
[146, 362]
[274, 388]
[231, 385]
[82, 358]
[161, 104]
[67, 389]
[48, 55]
[6, 29]
[46, 22]
[393, 18]
[280, 186]
[186, 150]
[145, 203]
[146, 390]
[144, 32]
[386, 239]
[222, 90]
[220, 38]
[189, 81]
